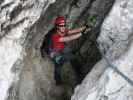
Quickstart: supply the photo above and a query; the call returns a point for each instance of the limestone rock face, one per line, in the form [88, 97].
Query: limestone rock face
[16, 17]
[115, 43]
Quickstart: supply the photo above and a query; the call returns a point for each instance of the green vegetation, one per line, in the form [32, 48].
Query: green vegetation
[92, 20]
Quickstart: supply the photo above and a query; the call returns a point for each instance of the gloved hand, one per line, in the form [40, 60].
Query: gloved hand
[87, 26]
[87, 29]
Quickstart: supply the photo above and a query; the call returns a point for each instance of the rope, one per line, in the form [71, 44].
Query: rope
[115, 68]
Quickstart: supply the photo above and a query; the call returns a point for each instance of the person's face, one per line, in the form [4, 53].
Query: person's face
[61, 28]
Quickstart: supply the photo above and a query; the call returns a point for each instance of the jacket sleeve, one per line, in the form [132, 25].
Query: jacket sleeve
[70, 37]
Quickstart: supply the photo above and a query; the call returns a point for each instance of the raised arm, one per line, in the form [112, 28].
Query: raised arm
[78, 30]
[71, 37]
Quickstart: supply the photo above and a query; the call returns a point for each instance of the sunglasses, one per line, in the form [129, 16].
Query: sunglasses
[61, 25]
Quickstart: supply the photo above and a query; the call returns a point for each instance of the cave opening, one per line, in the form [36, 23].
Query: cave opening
[86, 52]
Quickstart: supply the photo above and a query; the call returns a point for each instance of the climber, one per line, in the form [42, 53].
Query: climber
[59, 51]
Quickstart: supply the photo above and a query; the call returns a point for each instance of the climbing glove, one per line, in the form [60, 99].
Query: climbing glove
[87, 29]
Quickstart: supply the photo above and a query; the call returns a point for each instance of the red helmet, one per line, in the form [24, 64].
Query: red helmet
[60, 20]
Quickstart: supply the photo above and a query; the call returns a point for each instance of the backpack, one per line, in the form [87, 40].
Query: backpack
[47, 42]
